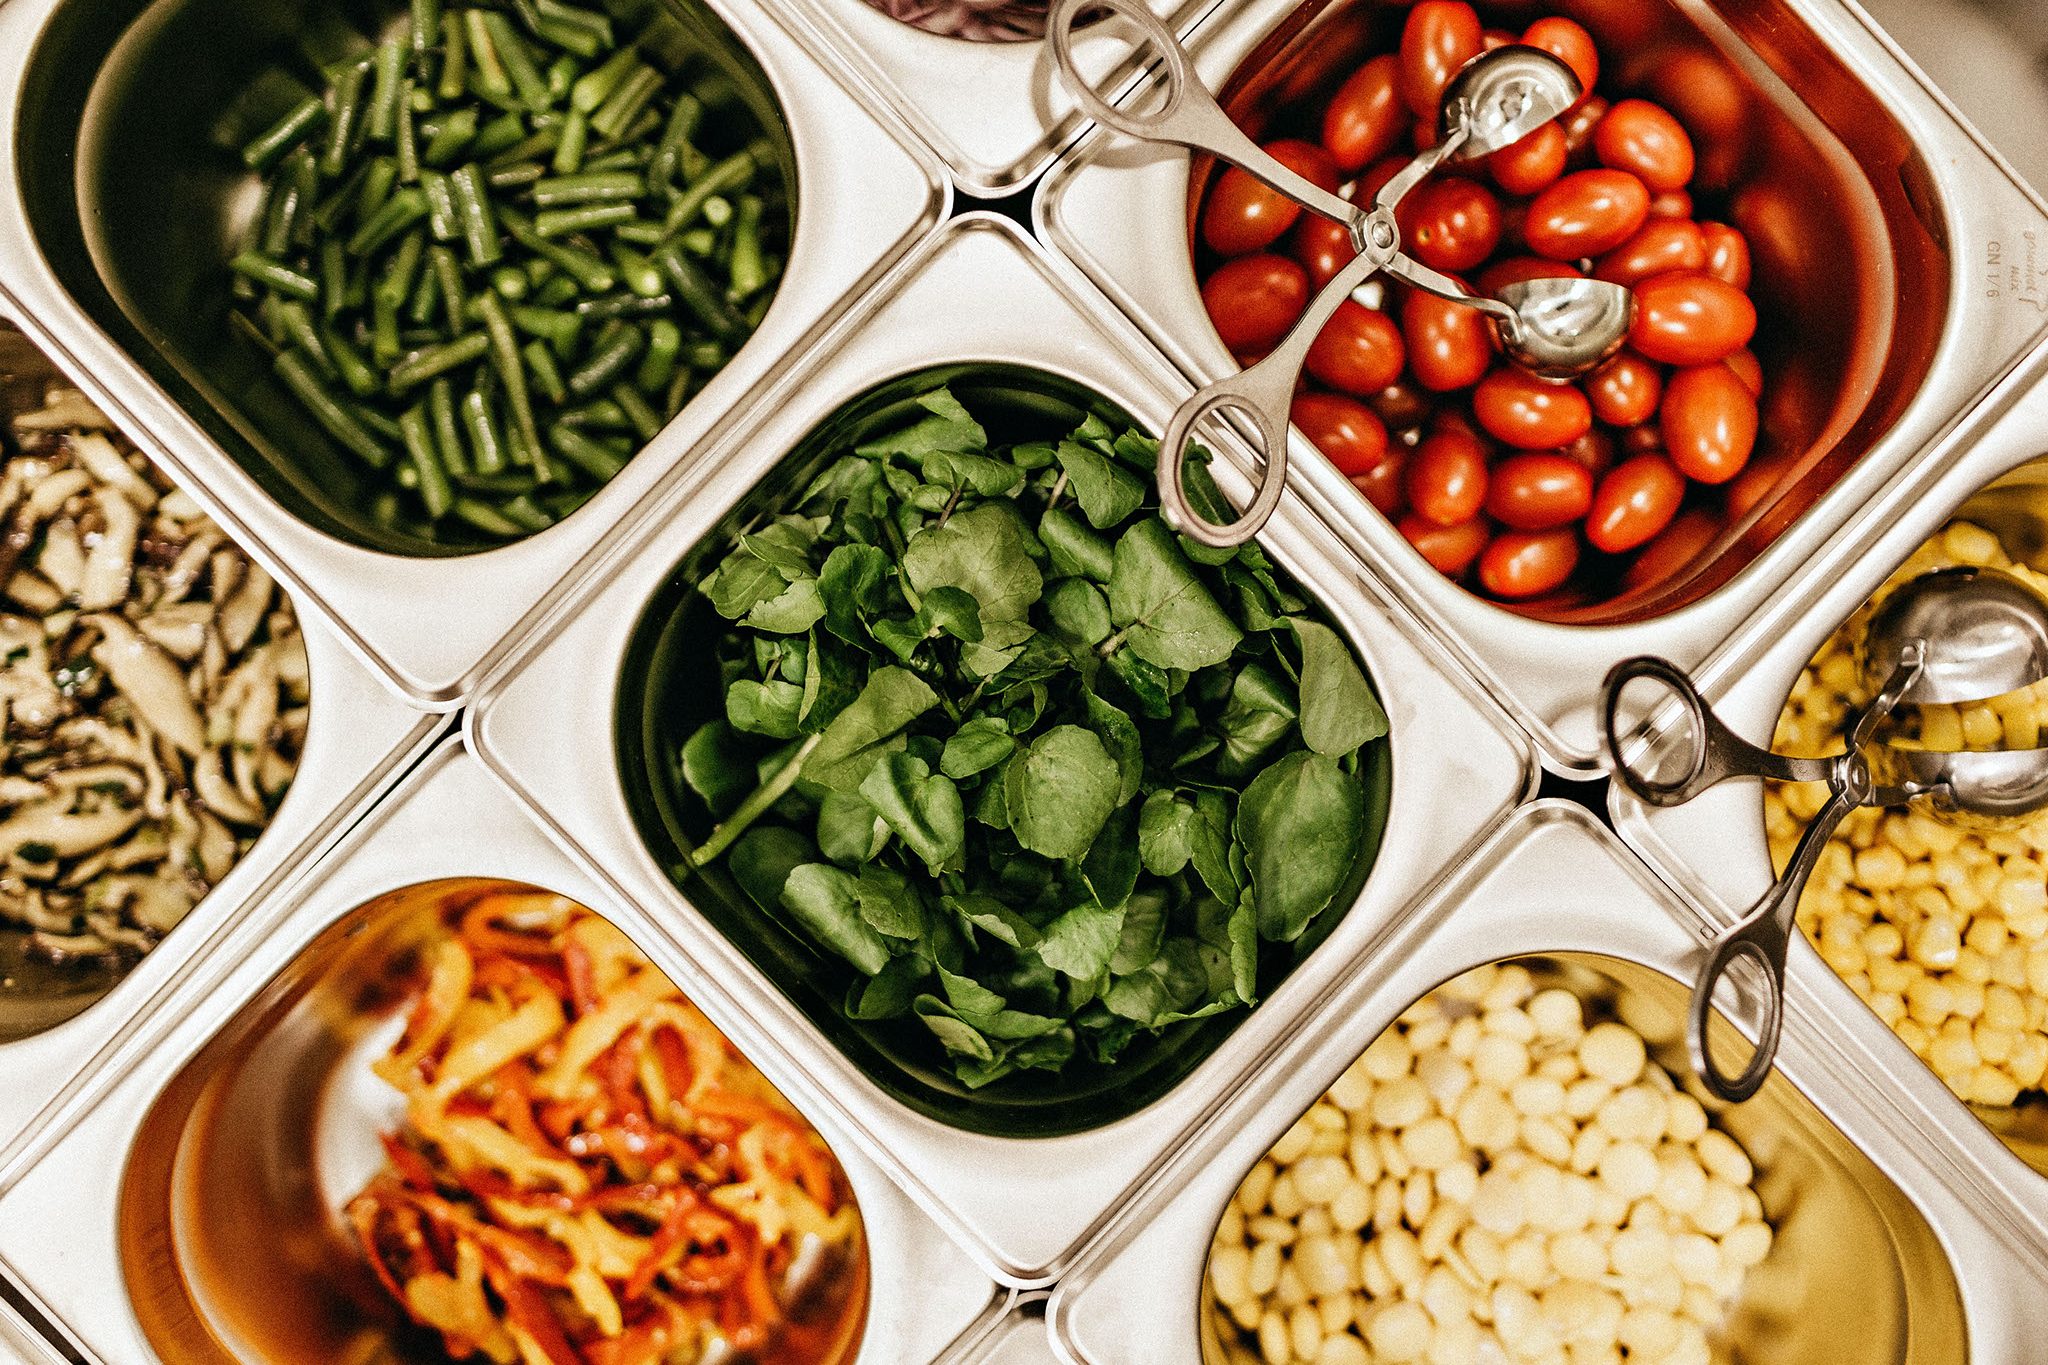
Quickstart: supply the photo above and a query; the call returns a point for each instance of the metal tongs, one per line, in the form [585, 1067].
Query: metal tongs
[1953, 636]
[1558, 328]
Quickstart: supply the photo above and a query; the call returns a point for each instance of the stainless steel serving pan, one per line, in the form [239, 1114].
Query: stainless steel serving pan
[995, 112]
[431, 626]
[1881, 1254]
[981, 291]
[1913, 296]
[1715, 850]
[20, 1342]
[59, 1222]
[1016, 1337]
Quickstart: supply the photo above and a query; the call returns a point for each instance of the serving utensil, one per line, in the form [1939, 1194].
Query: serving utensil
[1955, 637]
[1557, 328]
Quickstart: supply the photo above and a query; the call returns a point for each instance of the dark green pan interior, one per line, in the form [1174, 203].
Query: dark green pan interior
[670, 686]
[138, 210]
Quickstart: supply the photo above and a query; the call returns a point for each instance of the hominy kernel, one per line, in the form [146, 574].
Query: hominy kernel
[1399, 1331]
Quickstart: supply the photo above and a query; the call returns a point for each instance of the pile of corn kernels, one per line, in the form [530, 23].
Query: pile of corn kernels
[1492, 1181]
[1942, 930]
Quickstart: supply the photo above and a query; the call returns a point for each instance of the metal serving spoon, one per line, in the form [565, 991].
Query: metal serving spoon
[1952, 636]
[1558, 328]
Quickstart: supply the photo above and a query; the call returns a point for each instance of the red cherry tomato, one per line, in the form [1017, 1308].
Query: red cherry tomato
[1643, 139]
[1709, 423]
[1625, 391]
[1518, 409]
[1245, 214]
[1538, 492]
[1678, 545]
[1254, 300]
[1690, 318]
[1375, 178]
[1569, 42]
[1661, 245]
[1350, 434]
[1643, 439]
[1451, 224]
[1727, 254]
[1447, 478]
[1757, 483]
[1633, 503]
[1450, 550]
[1587, 213]
[1594, 450]
[1671, 204]
[1497, 37]
[1323, 246]
[1749, 370]
[1449, 345]
[1578, 129]
[1366, 116]
[1519, 269]
[1439, 37]
[1360, 350]
[1401, 405]
[1524, 564]
[1531, 164]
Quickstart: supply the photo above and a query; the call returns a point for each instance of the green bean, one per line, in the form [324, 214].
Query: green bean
[590, 271]
[557, 291]
[447, 429]
[562, 74]
[632, 158]
[418, 434]
[594, 89]
[749, 271]
[273, 275]
[704, 355]
[510, 282]
[575, 136]
[602, 415]
[592, 188]
[626, 102]
[375, 191]
[426, 299]
[641, 275]
[297, 325]
[699, 296]
[454, 299]
[385, 343]
[324, 408]
[374, 421]
[455, 57]
[558, 329]
[667, 162]
[484, 518]
[502, 132]
[510, 485]
[595, 22]
[512, 52]
[333, 277]
[582, 218]
[408, 154]
[473, 211]
[336, 205]
[511, 372]
[626, 306]
[341, 123]
[426, 22]
[658, 363]
[355, 371]
[285, 206]
[607, 362]
[447, 143]
[640, 233]
[729, 176]
[718, 210]
[526, 512]
[441, 219]
[488, 76]
[486, 442]
[699, 241]
[421, 366]
[268, 147]
[587, 454]
[513, 176]
[304, 173]
[646, 422]
[381, 121]
[398, 213]
[547, 377]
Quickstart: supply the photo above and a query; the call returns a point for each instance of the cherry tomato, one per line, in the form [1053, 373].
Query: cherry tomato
[1690, 318]
[1447, 478]
[1671, 204]
[1360, 350]
[1625, 390]
[1375, 178]
[1578, 129]
[1519, 269]
[1245, 214]
[1749, 370]
[1709, 423]
[1678, 545]
[1661, 245]
[1727, 254]
[1424, 134]
[1451, 224]
[1641, 138]
[1350, 434]
[1449, 345]
[1594, 450]
[1633, 503]
[1569, 42]
[1538, 492]
[1450, 550]
[1382, 483]
[1758, 481]
[1588, 213]
[1401, 405]
[1440, 37]
[1643, 439]
[1254, 300]
[1518, 409]
[1523, 564]
[1323, 246]
[1366, 115]
[1531, 164]
[1496, 37]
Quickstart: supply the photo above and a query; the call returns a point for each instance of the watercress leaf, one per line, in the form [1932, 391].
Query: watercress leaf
[719, 766]
[1172, 982]
[825, 900]
[887, 995]
[946, 426]
[1107, 492]
[1110, 871]
[977, 746]
[1210, 846]
[984, 551]
[922, 807]
[1120, 738]
[969, 996]
[769, 708]
[849, 831]
[1300, 822]
[996, 919]
[850, 584]
[1166, 833]
[1244, 949]
[992, 802]
[795, 610]
[1079, 613]
[1060, 791]
[1016, 1026]
[1081, 941]
[1147, 684]
[785, 545]
[1001, 643]
[1031, 455]
[1339, 712]
[890, 699]
[954, 1033]
[954, 612]
[848, 773]
[1074, 550]
[740, 583]
[889, 903]
[990, 478]
[902, 638]
[1261, 713]
[1167, 614]
[762, 859]
[1144, 929]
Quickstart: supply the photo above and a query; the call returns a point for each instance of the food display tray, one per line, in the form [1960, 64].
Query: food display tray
[58, 1221]
[1548, 673]
[1016, 1335]
[980, 290]
[864, 194]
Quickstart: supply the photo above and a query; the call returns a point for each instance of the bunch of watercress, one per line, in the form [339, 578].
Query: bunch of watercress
[1043, 773]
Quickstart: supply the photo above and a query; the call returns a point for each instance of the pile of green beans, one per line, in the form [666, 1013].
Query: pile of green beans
[499, 251]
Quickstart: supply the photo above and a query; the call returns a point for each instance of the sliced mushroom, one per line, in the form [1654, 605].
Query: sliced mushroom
[178, 629]
[34, 592]
[156, 904]
[146, 676]
[244, 609]
[52, 491]
[15, 789]
[99, 458]
[105, 777]
[64, 409]
[62, 558]
[190, 563]
[109, 565]
[69, 835]
[218, 848]
[211, 784]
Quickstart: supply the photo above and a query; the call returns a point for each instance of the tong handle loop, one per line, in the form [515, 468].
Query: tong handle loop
[1713, 753]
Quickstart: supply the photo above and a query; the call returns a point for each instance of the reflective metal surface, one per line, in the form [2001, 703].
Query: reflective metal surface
[862, 194]
[1982, 634]
[447, 820]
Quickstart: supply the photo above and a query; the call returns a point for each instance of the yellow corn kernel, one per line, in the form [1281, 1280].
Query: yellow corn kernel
[1936, 944]
[1941, 728]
